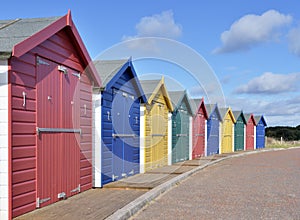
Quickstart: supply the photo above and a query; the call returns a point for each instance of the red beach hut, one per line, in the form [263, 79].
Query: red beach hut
[45, 113]
[250, 131]
[200, 117]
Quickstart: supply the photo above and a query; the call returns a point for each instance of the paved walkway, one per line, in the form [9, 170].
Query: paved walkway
[103, 202]
[257, 186]
[122, 199]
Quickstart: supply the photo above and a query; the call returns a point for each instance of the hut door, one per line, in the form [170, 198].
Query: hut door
[260, 135]
[125, 141]
[159, 135]
[227, 136]
[184, 136]
[58, 128]
[250, 136]
[180, 149]
[212, 136]
[176, 137]
[239, 135]
[199, 135]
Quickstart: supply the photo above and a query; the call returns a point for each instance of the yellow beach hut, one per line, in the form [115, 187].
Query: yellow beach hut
[156, 125]
[227, 130]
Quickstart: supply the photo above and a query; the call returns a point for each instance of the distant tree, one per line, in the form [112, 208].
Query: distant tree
[287, 133]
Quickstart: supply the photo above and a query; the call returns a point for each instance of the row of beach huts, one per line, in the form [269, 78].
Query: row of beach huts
[68, 124]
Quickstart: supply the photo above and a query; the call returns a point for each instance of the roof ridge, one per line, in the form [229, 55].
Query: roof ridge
[10, 23]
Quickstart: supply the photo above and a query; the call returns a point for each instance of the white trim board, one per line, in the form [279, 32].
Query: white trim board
[97, 177]
[4, 175]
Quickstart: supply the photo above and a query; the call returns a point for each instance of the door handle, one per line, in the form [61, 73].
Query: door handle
[24, 98]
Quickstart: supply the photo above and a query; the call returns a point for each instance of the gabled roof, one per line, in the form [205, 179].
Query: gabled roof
[259, 118]
[152, 87]
[15, 31]
[107, 69]
[197, 104]
[249, 117]
[210, 108]
[111, 70]
[224, 112]
[19, 36]
[177, 97]
[238, 114]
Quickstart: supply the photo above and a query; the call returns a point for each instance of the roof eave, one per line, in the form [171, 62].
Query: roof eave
[66, 21]
[138, 84]
[116, 76]
[204, 108]
[161, 85]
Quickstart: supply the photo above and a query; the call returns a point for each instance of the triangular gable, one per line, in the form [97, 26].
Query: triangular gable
[263, 120]
[177, 98]
[225, 111]
[250, 117]
[238, 114]
[111, 71]
[199, 104]
[231, 115]
[260, 118]
[210, 108]
[153, 88]
[37, 38]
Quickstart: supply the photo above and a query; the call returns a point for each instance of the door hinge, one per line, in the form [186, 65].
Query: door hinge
[124, 175]
[77, 75]
[114, 177]
[39, 61]
[40, 201]
[61, 195]
[131, 172]
[77, 189]
[62, 69]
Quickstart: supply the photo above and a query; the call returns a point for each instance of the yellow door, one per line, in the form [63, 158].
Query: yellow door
[156, 141]
[226, 146]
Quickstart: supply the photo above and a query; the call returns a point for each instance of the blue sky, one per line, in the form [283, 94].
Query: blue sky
[252, 47]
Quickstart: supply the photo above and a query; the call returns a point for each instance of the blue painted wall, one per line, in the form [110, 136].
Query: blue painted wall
[120, 129]
[213, 133]
[260, 134]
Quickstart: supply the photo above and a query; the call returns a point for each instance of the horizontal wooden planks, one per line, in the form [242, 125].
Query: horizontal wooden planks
[60, 49]
[86, 137]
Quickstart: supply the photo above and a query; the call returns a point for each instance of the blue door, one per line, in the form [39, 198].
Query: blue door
[125, 135]
[260, 135]
[212, 135]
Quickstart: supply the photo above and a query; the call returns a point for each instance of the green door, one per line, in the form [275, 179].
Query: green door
[239, 135]
[180, 134]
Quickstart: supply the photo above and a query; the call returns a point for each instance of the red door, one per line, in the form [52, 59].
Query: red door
[58, 127]
[250, 136]
[198, 135]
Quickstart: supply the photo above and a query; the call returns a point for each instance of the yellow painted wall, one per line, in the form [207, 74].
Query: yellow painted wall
[227, 138]
[156, 133]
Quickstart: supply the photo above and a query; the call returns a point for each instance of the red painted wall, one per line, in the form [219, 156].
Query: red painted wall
[59, 49]
[250, 134]
[198, 134]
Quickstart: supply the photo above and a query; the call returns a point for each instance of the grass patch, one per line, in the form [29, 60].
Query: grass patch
[280, 146]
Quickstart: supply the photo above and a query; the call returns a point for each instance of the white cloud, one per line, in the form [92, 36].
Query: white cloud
[280, 111]
[251, 30]
[270, 83]
[158, 25]
[294, 41]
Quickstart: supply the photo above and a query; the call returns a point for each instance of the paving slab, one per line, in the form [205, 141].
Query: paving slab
[91, 204]
[196, 162]
[141, 181]
[172, 169]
